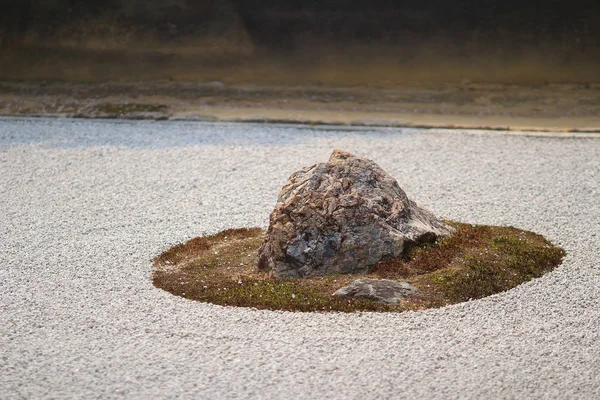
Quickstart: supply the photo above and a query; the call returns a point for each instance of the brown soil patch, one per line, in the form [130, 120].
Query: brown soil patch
[552, 107]
[475, 262]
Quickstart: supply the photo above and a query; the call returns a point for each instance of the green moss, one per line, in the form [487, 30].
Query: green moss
[475, 262]
[502, 263]
[118, 109]
[275, 295]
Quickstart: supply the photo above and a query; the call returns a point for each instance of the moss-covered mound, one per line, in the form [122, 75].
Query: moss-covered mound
[475, 262]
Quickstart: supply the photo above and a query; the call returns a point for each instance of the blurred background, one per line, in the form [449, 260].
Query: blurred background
[335, 42]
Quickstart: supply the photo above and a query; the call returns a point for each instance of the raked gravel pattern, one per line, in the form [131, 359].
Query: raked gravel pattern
[86, 204]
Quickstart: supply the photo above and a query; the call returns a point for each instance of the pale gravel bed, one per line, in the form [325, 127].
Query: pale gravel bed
[85, 205]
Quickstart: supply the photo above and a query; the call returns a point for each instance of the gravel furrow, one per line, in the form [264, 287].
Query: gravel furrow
[86, 204]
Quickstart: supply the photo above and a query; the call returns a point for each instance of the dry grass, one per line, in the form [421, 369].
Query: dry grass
[475, 262]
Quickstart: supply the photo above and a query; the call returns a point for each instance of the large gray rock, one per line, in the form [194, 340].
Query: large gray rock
[383, 290]
[342, 217]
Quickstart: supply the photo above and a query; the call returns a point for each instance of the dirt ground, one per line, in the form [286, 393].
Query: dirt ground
[544, 107]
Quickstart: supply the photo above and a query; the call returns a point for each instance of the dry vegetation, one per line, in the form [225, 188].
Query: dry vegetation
[475, 262]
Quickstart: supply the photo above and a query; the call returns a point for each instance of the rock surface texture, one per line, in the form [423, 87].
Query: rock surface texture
[383, 290]
[342, 217]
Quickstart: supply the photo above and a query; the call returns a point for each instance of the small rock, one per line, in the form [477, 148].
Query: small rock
[383, 290]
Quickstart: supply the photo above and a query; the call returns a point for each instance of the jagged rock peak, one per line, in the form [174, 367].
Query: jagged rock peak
[342, 216]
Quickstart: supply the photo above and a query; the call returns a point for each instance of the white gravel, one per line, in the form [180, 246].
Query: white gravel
[85, 205]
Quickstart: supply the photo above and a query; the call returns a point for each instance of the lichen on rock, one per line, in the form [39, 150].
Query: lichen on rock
[383, 290]
[342, 216]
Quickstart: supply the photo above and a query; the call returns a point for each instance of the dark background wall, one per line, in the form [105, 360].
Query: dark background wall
[562, 32]
[390, 21]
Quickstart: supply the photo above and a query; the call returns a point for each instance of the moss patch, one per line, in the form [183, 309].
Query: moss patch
[475, 262]
[116, 110]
